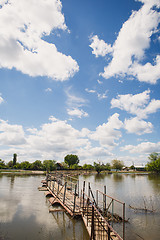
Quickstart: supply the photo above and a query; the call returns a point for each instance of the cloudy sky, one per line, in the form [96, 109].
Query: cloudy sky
[80, 77]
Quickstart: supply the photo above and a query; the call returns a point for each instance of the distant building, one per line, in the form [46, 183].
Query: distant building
[59, 166]
[125, 169]
[139, 168]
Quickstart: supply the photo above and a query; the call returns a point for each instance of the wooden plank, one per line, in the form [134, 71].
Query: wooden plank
[56, 210]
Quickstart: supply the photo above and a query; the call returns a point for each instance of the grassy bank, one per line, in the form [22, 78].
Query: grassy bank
[21, 172]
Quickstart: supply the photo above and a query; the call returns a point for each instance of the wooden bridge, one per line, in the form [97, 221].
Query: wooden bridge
[97, 212]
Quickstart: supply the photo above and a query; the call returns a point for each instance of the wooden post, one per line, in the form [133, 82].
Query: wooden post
[123, 221]
[53, 185]
[64, 195]
[112, 210]
[58, 187]
[97, 197]
[83, 195]
[88, 189]
[74, 198]
[71, 183]
[78, 187]
[104, 199]
[92, 226]
[109, 231]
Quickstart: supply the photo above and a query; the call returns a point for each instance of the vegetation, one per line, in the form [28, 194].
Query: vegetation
[154, 164]
[117, 164]
[14, 159]
[2, 164]
[101, 167]
[71, 160]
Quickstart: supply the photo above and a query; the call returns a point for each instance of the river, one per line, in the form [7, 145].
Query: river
[24, 211]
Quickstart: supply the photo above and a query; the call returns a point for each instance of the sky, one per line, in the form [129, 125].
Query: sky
[80, 77]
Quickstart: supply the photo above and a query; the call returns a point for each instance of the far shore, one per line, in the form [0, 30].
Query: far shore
[74, 172]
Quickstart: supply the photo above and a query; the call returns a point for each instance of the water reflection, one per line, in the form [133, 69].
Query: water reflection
[12, 181]
[99, 177]
[118, 177]
[155, 181]
[24, 213]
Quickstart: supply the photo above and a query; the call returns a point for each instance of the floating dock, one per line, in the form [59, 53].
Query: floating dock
[98, 218]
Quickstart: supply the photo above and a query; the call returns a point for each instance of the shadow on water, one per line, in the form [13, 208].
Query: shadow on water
[154, 179]
[118, 177]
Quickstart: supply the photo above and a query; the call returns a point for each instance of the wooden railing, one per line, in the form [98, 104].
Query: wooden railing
[99, 210]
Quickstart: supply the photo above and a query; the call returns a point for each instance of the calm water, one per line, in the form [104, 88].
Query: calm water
[24, 211]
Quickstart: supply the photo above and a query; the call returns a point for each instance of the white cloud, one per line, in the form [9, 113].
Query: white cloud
[73, 100]
[11, 134]
[136, 126]
[137, 104]
[100, 48]
[102, 95]
[56, 138]
[148, 72]
[48, 90]
[108, 132]
[22, 26]
[75, 112]
[90, 91]
[99, 95]
[100, 82]
[75, 103]
[144, 147]
[133, 39]
[1, 100]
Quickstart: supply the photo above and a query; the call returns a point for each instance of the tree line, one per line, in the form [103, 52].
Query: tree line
[72, 162]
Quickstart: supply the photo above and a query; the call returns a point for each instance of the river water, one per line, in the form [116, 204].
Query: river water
[24, 211]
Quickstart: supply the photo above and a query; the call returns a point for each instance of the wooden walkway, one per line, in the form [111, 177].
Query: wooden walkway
[64, 190]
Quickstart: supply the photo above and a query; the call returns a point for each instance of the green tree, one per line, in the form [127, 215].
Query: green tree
[132, 167]
[71, 159]
[153, 156]
[75, 167]
[25, 165]
[14, 159]
[2, 164]
[117, 164]
[98, 167]
[49, 165]
[107, 167]
[154, 164]
[10, 164]
[37, 165]
[88, 167]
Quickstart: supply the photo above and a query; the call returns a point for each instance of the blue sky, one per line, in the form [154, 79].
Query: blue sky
[80, 77]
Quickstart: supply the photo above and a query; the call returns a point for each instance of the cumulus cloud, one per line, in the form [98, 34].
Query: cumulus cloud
[23, 24]
[137, 104]
[75, 112]
[133, 39]
[139, 127]
[57, 138]
[100, 48]
[108, 133]
[11, 134]
[144, 147]
[148, 72]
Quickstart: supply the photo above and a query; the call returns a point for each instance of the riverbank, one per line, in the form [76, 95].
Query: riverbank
[21, 172]
[67, 171]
